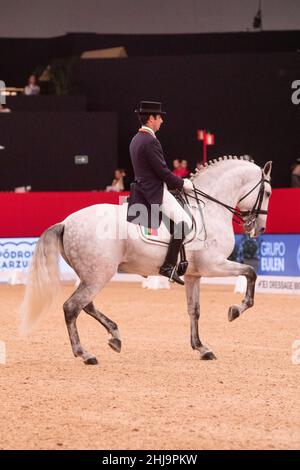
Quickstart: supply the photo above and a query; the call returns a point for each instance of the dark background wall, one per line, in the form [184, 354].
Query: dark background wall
[65, 103]
[245, 99]
[20, 57]
[40, 149]
[236, 85]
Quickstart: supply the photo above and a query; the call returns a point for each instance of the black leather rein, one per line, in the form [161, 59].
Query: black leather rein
[237, 213]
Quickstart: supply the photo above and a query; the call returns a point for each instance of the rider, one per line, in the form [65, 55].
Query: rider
[153, 179]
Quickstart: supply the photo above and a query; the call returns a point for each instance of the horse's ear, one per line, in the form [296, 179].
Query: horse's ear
[267, 169]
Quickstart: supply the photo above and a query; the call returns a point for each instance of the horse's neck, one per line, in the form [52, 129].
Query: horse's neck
[226, 181]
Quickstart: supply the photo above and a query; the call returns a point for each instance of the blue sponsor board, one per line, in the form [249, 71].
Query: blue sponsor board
[16, 254]
[271, 255]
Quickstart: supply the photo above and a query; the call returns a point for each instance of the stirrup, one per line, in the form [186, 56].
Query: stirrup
[174, 270]
[175, 278]
[171, 273]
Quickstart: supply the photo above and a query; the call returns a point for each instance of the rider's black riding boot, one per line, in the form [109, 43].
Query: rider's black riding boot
[168, 269]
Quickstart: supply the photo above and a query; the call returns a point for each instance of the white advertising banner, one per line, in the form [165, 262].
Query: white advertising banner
[278, 284]
[15, 257]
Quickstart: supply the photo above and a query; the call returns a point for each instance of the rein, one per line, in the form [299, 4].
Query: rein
[239, 216]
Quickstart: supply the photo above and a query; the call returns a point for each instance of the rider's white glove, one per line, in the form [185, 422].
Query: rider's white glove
[187, 185]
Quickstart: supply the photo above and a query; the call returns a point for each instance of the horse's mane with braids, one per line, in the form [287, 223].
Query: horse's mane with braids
[215, 162]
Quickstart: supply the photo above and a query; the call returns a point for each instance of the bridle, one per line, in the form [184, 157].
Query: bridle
[245, 218]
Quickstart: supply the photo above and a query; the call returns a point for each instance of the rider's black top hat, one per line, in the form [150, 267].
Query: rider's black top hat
[150, 107]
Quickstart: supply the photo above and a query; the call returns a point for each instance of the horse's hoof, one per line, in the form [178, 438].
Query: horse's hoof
[208, 356]
[91, 361]
[115, 344]
[233, 313]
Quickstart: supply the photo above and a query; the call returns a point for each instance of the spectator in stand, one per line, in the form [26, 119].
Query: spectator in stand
[32, 87]
[4, 109]
[184, 169]
[126, 183]
[180, 168]
[118, 181]
[295, 176]
[176, 167]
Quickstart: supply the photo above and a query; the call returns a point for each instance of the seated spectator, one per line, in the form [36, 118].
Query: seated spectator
[3, 109]
[184, 169]
[118, 181]
[32, 87]
[126, 182]
[180, 168]
[176, 167]
[295, 176]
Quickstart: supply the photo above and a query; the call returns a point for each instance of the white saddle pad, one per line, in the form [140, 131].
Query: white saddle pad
[161, 236]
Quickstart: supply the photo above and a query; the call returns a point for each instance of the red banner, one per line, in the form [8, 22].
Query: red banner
[29, 214]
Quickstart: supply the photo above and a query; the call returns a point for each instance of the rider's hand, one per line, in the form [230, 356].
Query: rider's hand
[187, 185]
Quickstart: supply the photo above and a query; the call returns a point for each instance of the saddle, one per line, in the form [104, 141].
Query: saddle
[162, 235]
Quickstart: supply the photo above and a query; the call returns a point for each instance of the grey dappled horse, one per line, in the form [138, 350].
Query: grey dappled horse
[223, 185]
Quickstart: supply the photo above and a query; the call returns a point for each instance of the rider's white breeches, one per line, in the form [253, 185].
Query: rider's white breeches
[172, 209]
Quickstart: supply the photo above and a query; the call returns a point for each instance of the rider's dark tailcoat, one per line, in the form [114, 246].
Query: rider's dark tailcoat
[151, 172]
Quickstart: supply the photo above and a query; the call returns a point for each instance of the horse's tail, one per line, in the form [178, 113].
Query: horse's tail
[43, 278]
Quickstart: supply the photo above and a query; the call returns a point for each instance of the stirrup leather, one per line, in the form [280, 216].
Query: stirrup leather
[182, 267]
[183, 263]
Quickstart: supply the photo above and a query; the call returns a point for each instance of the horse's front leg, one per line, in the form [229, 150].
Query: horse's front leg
[236, 310]
[228, 268]
[192, 288]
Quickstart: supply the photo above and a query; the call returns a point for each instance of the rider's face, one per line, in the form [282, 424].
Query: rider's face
[155, 122]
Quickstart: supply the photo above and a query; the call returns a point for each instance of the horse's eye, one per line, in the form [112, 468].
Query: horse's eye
[268, 194]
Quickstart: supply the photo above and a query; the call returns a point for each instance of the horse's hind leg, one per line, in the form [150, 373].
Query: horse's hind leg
[192, 288]
[72, 308]
[110, 326]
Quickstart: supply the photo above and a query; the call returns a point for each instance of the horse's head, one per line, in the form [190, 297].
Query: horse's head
[247, 186]
[255, 203]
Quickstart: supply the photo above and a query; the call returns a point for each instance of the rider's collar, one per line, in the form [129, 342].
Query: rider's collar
[148, 129]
